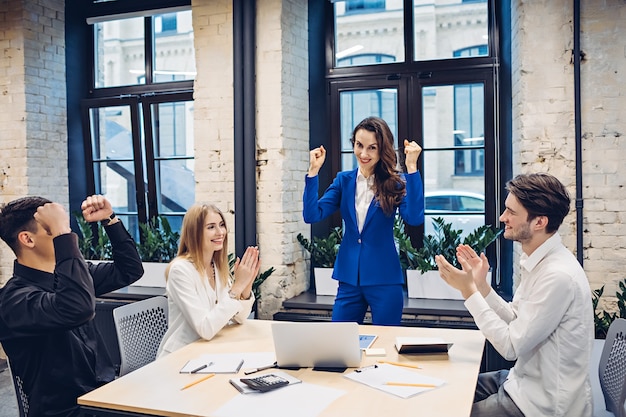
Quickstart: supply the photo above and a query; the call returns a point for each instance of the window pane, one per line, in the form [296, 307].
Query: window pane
[174, 155]
[451, 29]
[176, 185]
[368, 32]
[174, 51]
[356, 106]
[459, 200]
[119, 53]
[453, 157]
[114, 170]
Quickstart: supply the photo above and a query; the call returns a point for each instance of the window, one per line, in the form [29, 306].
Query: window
[138, 121]
[369, 5]
[124, 57]
[431, 70]
[446, 107]
[373, 31]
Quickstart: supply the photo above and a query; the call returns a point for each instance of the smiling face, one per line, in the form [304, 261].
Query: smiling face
[366, 150]
[214, 232]
[517, 227]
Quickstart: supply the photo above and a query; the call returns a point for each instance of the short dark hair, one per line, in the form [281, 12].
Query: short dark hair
[17, 216]
[541, 194]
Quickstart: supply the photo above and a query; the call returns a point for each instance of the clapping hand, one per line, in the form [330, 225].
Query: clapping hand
[246, 270]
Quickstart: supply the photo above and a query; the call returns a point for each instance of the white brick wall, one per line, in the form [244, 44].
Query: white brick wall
[543, 121]
[282, 145]
[33, 128]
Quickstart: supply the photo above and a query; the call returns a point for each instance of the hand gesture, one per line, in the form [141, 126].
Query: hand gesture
[316, 159]
[53, 218]
[96, 208]
[246, 270]
[462, 280]
[412, 151]
[479, 264]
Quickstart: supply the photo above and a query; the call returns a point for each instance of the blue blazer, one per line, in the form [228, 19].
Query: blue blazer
[370, 254]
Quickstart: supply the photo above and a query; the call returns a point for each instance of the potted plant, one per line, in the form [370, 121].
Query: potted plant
[423, 280]
[323, 254]
[158, 246]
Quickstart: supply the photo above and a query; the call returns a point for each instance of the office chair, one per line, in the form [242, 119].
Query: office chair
[22, 398]
[140, 326]
[612, 368]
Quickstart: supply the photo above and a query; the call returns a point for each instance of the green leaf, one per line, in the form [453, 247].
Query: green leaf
[158, 242]
[323, 250]
[444, 241]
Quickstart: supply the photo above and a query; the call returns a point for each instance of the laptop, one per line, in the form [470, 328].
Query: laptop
[322, 345]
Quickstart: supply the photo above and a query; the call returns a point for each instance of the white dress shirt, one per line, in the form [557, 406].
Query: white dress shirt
[363, 198]
[196, 310]
[548, 328]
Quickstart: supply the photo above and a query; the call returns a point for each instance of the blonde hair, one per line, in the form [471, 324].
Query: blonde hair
[191, 244]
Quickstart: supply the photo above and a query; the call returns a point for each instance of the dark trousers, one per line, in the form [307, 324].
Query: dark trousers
[490, 399]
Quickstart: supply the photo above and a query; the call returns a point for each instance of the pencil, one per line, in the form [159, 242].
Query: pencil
[197, 381]
[409, 384]
[406, 365]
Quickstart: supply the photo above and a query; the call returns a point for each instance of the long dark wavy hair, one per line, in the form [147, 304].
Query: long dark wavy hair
[389, 187]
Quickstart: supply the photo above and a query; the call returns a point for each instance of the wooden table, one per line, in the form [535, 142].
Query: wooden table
[155, 389]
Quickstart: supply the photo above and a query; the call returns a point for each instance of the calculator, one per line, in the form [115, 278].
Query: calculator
[265, 382]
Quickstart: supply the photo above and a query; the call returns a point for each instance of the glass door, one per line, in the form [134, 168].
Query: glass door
[458, 149]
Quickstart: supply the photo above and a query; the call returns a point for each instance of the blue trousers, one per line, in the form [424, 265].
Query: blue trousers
[385, 302]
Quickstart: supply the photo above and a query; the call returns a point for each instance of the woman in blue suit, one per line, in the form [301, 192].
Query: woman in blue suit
[367, 266]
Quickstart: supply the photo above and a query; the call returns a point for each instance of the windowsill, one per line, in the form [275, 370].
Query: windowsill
[134, 292]
[416, 312]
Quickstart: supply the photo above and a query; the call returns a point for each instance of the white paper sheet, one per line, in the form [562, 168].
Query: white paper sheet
[302, 400]
[378, 376]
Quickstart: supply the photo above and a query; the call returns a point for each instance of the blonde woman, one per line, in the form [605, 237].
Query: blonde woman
[203, 297]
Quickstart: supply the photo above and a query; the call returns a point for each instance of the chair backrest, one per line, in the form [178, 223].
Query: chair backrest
[612, 368]
[140, 326]
[22, 398]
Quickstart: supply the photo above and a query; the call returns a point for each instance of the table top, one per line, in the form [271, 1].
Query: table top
[155, 389]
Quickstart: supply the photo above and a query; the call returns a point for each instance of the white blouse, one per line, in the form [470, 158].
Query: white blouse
[196, 310]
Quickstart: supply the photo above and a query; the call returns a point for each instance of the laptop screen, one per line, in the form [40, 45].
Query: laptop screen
[320, 345]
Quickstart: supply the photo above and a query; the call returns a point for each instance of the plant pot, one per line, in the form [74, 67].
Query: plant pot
[324, 282]
[153, 275]
[431, 285]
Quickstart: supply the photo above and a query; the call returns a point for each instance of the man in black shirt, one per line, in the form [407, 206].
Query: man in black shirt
[47, 307]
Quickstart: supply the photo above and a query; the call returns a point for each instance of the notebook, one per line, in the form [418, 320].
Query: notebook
[422, 345]
[316, 345]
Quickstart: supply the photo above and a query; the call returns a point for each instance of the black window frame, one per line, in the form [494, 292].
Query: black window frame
[139, 97]
[418, 73]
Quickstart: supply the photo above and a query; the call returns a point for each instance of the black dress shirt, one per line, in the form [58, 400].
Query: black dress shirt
[47, 328]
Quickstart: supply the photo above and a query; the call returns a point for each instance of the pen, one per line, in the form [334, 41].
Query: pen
[199, 368]
[409, 384]
[197, 381]
[262, 368]
[406, 365]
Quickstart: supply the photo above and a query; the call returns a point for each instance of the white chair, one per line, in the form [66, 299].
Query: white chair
[140, 326]
[612, 368]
